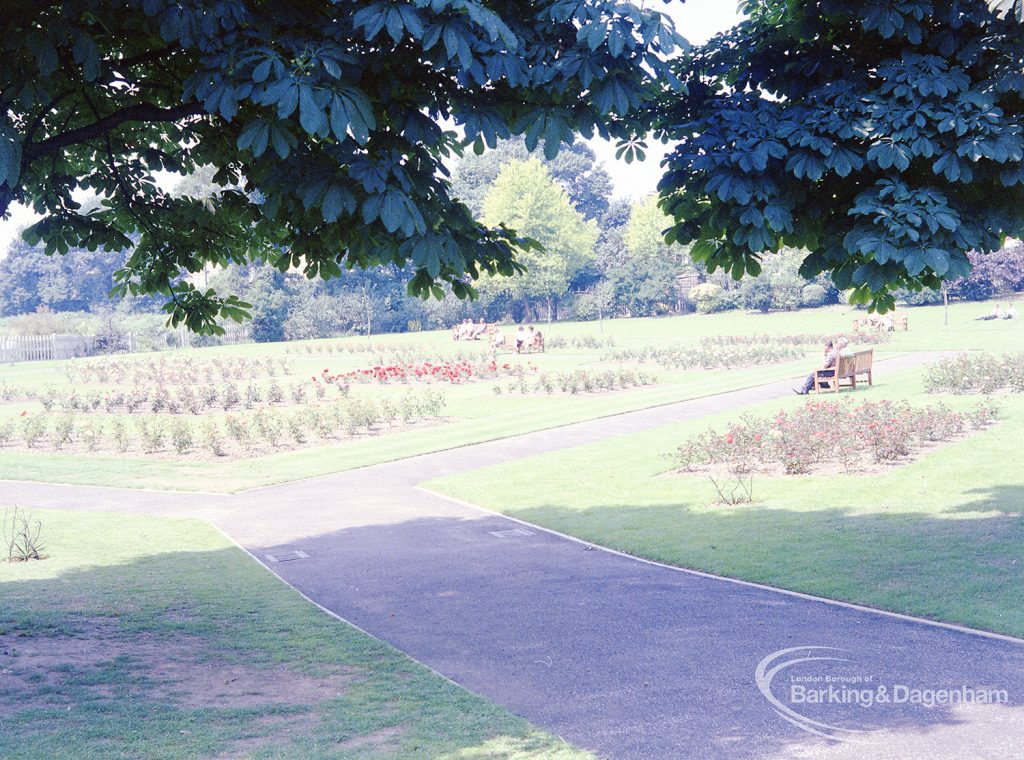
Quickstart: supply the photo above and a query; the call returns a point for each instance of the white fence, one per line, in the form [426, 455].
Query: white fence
[27, 348]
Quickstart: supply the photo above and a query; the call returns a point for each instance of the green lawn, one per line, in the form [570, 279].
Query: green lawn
[941, 537]
[474, 413]
[157, 638]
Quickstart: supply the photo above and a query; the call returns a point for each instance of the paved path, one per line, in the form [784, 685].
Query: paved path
[627, 658]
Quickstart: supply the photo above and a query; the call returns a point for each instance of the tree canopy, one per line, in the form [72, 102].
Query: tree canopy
[322, 120]
[575, 169]
[883, 137]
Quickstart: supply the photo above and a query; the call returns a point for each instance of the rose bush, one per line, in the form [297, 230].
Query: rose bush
[976, 373]
[844, 433]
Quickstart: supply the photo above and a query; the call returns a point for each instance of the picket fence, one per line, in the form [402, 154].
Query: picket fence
[28, 348]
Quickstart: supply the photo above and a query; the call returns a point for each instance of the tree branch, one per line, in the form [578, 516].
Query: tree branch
[99, 128]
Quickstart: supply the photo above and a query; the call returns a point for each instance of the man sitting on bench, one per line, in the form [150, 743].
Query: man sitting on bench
[479, 329]
[827, 369]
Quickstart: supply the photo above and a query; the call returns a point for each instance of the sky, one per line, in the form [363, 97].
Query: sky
[696, 20]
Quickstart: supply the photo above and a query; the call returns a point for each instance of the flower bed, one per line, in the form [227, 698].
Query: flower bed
[821, 434]
[260, 430]
[176, 371]
[579, 381]
[457, 371]
[711, 357]
[976, 373]
[800, 339]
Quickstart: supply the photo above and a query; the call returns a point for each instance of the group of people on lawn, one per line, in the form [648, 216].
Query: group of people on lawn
[883, 323]
[998, 312]
[469, 330]
[525, 339]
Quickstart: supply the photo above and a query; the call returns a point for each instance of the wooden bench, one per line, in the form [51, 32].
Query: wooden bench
[508, 343]
[880, 324]
[847, 368]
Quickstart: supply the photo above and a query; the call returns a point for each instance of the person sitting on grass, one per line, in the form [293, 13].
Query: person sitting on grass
[997, 313]
[826, 370]
[1010, 312]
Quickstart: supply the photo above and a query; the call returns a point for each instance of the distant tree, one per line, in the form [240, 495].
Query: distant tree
[525, 197]
[644, 274]
[29, 279]
[575, 169]
[991, 274]
[267, 290]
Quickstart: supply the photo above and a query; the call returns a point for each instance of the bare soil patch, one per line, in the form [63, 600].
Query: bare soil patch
[41, 671]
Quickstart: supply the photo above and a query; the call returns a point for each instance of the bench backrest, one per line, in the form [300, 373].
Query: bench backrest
[863, 359]
[856, 363]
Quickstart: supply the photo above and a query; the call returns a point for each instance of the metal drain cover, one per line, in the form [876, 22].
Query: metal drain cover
[287, 556]
[511, 533]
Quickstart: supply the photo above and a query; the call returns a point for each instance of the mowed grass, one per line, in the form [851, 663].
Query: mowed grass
[940, 537]
[157, 638]
[474, 412]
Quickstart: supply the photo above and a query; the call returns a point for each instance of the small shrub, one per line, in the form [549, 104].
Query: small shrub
[274, 393]
[253, 395]
[63, 431]
[6, 432]
[33, 429]
[153, 434]
[388, 411]
[181, 436]
[706, 297]
[212, 440]
[230, 397]
[296, 428]
[21, 536]
[238, 431]
[119, 435]
[812, 295]
[92, 434]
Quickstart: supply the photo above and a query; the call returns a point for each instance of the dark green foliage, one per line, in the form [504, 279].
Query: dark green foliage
[884, 137]
[326, 114]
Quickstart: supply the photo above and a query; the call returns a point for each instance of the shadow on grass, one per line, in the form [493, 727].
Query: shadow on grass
[1008, 500]
[201, 655]
[635, 660]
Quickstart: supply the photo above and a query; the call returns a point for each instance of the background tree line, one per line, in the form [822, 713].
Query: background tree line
[603, 257]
